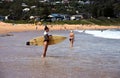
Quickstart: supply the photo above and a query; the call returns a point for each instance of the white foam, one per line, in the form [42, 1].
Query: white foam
[111, 34]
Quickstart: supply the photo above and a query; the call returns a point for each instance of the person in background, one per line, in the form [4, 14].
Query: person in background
[71, 38]
[46, 40]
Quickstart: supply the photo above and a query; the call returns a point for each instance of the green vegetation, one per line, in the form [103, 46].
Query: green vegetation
[94, 8]
[16, 22]
[98, 9]
[106, 22]
[100, 21]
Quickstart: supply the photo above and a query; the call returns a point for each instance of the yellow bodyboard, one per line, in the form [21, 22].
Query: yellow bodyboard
[38, 41]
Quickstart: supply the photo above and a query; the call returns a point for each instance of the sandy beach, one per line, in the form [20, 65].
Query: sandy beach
[9, 27]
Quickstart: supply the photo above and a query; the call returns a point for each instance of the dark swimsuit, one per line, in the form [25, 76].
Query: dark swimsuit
[46, 38]
[70, 39]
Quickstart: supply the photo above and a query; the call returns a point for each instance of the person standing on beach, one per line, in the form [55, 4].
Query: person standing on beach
[46, 40]
[71, 38]
[35, 24]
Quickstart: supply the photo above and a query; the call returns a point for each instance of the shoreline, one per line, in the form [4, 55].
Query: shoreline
[8, 27]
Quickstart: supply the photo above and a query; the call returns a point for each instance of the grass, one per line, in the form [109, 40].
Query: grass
[99, 21]
[19, 21]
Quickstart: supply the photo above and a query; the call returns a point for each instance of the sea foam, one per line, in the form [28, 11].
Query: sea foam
[111, 34]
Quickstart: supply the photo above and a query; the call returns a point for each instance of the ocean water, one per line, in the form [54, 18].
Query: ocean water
[94, 55]
[111, 34]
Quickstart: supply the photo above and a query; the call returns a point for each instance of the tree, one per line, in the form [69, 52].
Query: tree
[46, 12]
[117, 8]
[16, 10]
[104, 8]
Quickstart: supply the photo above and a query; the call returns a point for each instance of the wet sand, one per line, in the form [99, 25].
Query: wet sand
[91, 57]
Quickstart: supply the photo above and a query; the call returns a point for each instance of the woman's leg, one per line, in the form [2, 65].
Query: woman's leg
[71, 42]
[45, 49]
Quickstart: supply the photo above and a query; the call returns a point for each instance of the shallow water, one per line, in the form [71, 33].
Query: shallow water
[91, 57]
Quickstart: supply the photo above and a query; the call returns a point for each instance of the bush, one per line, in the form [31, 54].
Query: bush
[18, 21]
[99, 21]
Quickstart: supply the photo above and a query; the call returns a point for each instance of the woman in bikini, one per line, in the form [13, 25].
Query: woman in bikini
[46, 40]
[71, 38]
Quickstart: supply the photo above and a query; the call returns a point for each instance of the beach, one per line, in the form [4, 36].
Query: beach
[91, 57]
[9, 27]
